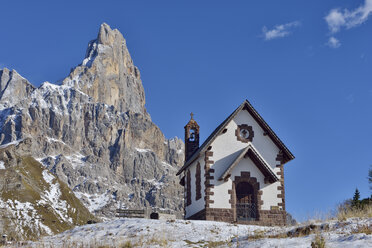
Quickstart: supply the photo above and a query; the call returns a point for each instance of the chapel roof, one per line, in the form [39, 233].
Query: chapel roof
[246, 105]
[257, 159]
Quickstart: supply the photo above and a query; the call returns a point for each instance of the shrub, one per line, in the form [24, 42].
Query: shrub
[127, 244]
[318, 242]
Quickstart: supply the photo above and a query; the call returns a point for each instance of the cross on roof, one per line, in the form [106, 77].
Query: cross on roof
[192, 115]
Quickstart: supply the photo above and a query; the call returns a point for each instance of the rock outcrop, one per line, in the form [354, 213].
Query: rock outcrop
[93, 131]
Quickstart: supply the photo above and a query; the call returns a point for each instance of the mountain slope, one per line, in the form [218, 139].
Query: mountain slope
[33, 201]
[93, 131]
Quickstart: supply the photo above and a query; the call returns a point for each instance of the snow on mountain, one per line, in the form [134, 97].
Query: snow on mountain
[92, 131]
[33, 201]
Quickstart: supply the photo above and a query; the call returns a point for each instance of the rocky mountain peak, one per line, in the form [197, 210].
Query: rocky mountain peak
[107, 36]
[108, 75]
[12, 84]
[93, 132]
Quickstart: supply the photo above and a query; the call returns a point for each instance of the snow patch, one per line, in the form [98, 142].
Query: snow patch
[25, 215]
[16, 142]
[50, 140]
[142, 150]
[155, 183]
[76, 160]
[52, 196]
[62, 95]
[94, 202]
[2, 166]
[48, 177]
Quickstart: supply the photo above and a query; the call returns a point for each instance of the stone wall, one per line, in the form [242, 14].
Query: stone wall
[266, 217]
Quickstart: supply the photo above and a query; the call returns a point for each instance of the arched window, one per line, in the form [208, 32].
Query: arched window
[188, 188]
[198, 182]
[192, 135]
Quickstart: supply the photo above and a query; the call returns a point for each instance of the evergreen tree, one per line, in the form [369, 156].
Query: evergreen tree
[356, 202]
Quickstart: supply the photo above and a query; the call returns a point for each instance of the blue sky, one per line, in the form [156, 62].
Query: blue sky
[306, 66]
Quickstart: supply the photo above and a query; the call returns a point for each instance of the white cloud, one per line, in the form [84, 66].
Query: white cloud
[279, 31]
[337, 19]
[333, 42]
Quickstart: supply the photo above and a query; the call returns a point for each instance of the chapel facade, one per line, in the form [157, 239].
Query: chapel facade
[237, 174]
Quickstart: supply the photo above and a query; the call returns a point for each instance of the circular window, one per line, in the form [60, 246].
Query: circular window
[244, 133]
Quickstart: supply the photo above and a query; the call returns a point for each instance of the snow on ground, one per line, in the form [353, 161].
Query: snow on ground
[2, 166]
[184, 233]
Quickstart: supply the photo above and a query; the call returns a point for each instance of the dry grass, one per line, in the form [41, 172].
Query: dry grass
[212, 244]
[257, 234]
[207, 244]
[367, 229]
[345, 213]
[127, 244]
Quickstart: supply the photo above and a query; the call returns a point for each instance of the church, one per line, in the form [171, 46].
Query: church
[237, 174]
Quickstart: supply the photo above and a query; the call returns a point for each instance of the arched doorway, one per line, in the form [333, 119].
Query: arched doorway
[246, 202]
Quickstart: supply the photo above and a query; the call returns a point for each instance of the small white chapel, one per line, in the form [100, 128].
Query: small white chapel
[237, 174]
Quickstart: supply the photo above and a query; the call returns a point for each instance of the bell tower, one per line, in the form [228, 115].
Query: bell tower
[191, 137]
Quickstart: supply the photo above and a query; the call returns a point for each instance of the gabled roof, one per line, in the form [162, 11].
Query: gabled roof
[287, 155]
[257, 159]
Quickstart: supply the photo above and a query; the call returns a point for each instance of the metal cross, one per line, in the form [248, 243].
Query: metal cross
[192, 115]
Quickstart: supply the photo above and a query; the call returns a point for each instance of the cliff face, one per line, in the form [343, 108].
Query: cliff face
[93, 131]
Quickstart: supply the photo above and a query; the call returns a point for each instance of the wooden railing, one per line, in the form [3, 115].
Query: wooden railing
[130, 213]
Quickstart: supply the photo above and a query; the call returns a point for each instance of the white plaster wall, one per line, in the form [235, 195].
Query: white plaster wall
[226, 148]
[270, 195]
[263, 144]
[198, 205]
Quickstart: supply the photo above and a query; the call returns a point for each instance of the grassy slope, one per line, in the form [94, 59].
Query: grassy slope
[28, 172]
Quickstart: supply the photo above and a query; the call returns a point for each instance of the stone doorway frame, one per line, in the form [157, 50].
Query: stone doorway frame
[245, 176]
